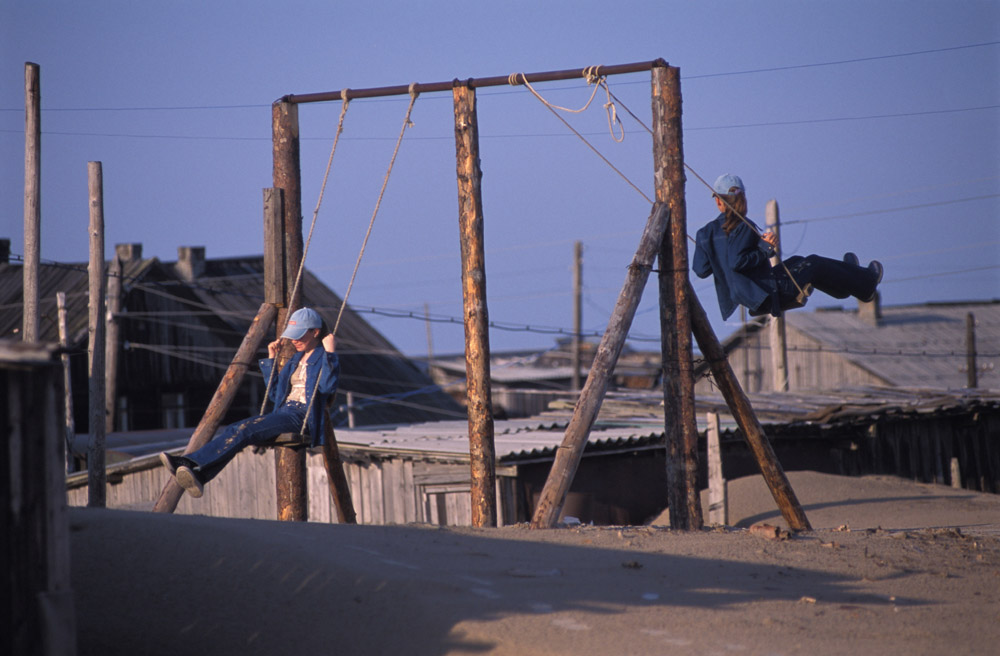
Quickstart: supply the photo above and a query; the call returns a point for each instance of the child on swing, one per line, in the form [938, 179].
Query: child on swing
[732, 248]
[304, 384]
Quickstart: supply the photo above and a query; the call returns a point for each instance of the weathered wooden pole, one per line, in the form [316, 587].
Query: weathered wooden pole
[779, 345]
[577, 360]
[96, 475]
[32, 199]
[574, 441]
[221, 400]
[289, 463]
[675, 325]
[740, 408]
[37, 615]
[114, 303]
[972, 375]
[482, 452]
[70, 427]
[340, 489]
[718, 503]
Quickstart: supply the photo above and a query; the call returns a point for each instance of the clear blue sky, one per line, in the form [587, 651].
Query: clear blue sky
[874, 124]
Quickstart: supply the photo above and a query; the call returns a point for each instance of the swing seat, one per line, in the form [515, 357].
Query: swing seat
[801, 298]
[293, 440]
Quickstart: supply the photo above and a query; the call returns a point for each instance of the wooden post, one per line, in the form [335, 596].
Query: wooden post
[577, 314]
[221, 400]
[740, 408]
[37, 616]
[70, 425]
[96, 475]
[779, 345]
[275, 284]
[430, 337]
[718, 502]
[956, 474]
[32, 199]
[114, 303]
[482, 452]
[289, 463]
[340, 489]
[574, 441]
[972, 376]
[675, 325]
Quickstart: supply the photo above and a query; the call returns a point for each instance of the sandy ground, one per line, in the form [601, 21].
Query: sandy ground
[926, 582]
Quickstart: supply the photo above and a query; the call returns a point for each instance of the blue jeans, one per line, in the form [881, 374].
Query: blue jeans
[255, 431]
[834, 277]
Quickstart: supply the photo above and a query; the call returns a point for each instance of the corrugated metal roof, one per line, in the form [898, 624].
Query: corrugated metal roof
[915, 345]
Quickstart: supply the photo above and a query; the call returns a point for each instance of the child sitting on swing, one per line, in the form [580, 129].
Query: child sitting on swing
[732, 248]
[303, 386]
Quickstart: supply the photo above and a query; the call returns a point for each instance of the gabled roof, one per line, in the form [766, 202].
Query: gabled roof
[911, 344]
[223, 299]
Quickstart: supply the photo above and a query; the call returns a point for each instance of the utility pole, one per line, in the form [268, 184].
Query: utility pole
[96, 474]
[577, 314]
[32, 200]
[779, 345]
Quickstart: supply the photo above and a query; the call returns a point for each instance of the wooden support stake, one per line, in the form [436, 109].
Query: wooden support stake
[289, 463]
[70, 424]
[972, 376]
[223, 397]
[675, 326]
[574, 441]
[114, 303]
[742, 411]
[779, 344]
[275, 289]
[340, 489]
[96, 474]
[482, 452]
[32, 199]
[718, 501]
[577, 361]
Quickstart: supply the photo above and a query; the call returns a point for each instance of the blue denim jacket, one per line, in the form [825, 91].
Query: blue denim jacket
[322, 376]
[739, 262]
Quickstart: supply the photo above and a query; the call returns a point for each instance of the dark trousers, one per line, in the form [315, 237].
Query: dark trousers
[255, 431]
[836, 278]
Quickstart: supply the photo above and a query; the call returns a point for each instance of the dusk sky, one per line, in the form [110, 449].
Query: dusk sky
[875, 125]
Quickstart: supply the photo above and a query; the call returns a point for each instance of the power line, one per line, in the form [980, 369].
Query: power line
[892, 209]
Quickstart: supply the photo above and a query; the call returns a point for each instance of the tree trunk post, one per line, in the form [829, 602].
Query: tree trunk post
[779, 344]
[740, 408]
[577, 362]
[70, 425]
[290, 463]
[675, 325]
[96, 475]
[482, 452]
[574, 441]
[718, 503]
[340, 489]
[972, 375]
[221, 400]
[114, 303]
[32, 199]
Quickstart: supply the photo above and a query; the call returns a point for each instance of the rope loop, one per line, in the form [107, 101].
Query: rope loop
[512, 79]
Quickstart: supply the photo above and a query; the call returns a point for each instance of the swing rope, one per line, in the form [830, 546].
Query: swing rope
[305, 251]
[802, 292]
[385, 182]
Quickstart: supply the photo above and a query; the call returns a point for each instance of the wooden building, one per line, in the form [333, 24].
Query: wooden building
[179, 325]
[421, 472]
[924, 345]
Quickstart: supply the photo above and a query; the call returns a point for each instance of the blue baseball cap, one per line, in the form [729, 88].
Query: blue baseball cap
[727, 182]
[302, 320]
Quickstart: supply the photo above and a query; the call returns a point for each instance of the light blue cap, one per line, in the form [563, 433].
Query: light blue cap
[727, 182]
[302, 320]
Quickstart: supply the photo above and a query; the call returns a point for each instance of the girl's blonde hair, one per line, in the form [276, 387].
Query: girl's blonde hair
[735, 208]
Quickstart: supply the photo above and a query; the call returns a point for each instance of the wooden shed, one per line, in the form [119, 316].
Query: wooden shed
[922, 345]
[179, 325]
